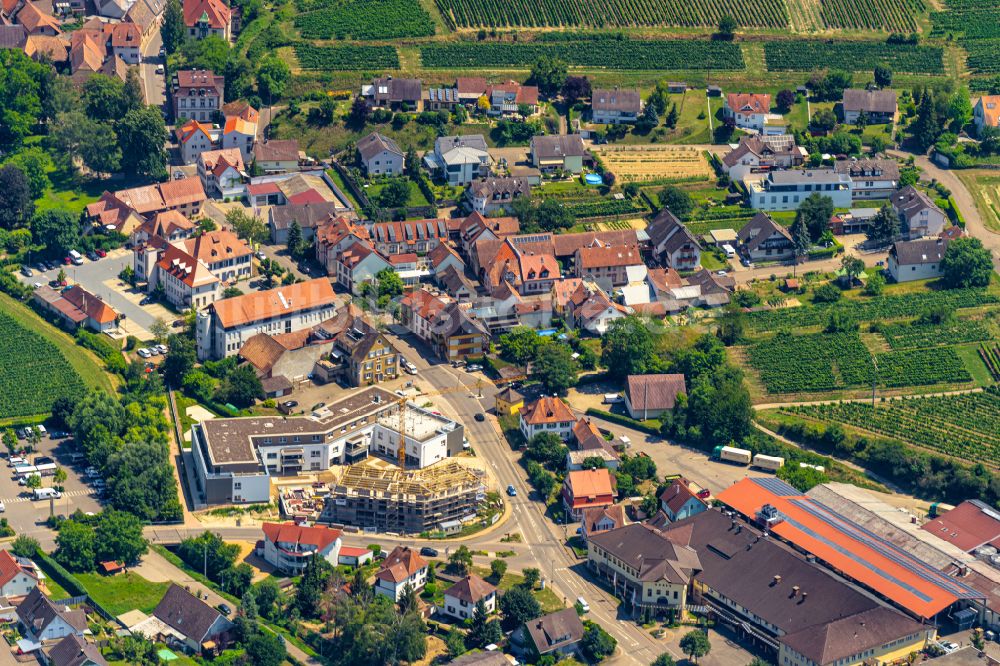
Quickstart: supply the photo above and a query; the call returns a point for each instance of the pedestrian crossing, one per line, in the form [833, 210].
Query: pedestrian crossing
[28, 498]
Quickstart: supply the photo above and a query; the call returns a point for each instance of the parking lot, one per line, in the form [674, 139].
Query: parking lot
[27, 516]
[101, 279]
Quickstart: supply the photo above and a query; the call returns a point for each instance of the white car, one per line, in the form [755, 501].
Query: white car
[2, 507]
[145, 353]
[162, 349]
[41, 430]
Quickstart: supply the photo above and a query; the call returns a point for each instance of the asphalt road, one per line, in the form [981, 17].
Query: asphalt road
[153, 84]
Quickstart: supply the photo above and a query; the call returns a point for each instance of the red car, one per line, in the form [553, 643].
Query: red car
[67, 260]
[101, 253]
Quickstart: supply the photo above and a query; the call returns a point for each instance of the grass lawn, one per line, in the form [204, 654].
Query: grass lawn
[548, 599]
[416, 198]
[123, 592]
[985, 188]
[974, 364]
[339, 182]
[69, 193]
[55, 590]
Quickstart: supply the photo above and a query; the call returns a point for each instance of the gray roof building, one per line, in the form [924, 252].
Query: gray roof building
[375, 143]
[614, 99]
[916, 252]
[870, 101]
[555, 631]
[555, 146]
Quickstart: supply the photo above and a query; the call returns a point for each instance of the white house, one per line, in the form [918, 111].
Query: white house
[678, 501]
[401, 569]
[917, 259]
[612, 106]
[760, 153]
[785, 190]
[42, 620]
[15, 580]
[546, 414]
[986, 112]
[288, 547]
[461, 598]
[488, 195]
[126, 41]
[358, 264]
[918, 214]
[194, 138]
[380, 156]
[222, 172]
[460, 160]
[222, 328]
[747, 110]
[870, 178]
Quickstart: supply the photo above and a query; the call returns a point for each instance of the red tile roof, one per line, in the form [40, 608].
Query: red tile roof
[590, 487]
[969, 525]
[546, 409]
[402, 563]
[217, 13]
[278, 302]
[89, 304]
[10, 568]
[749, 102]
[317, 536]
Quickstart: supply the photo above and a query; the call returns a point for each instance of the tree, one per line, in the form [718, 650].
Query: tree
[547, 448]
[134, 96]
[269, 270]
[359, 113]
[628, 348]
[823, 120]
[531, 576]
[553, 216]
[180, 359]
[727, 27]
[875, 284]
[695, 644]
[518, 606]
[966, 263]
[483, 631]
[520, 344]
[10, 439]
[883, 76]
[407, 600]
[663, 660]
[816, 212]
[395, 194]
[118, 537]
[105, 99]
[549, 74]
[831, 87]
[800, 237]
[785, 99]
[555, 368]
[142, 135]
[16, 204]
[211, 53]
[671, 120]
[265, 649]
[35, 163]
[295, 242]
[454, 641]
[884, 227]
[853, 267]
[75, 136]
[25, 546]
[927, 126]
[597, 643]
[75, 546]
[576, 88]
[732, 324]
[650, 118]
[241, 387]
[34, 481]
[497, 570]
[390, 284]
[461, 560]
[159, 329]
[21, 80]
[312, 585]
[172, 29]
[266, 595]
[719, 405]
[959, 110]
[248, 227]
[60, 476]
[862, 120]
[676, 200]
[231, 292]
[58, 229]
[273, 75]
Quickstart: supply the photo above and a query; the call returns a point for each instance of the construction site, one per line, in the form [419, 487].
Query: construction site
[377, 496]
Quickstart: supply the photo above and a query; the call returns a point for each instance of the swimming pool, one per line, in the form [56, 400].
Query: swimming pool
[593, 179]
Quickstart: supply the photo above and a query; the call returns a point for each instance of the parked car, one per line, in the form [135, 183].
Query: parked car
[159, 69]
[41, 430]
[427, 551]
[144, 353]
[225, 609]
[92, 256]
[480, 417]
[40, 266]
[146, 300]
[582, 603]
[101, 253]
[26, 272]
[37, 285]
[473, 368]
[178, 323]
[68, 260]
[163, 349]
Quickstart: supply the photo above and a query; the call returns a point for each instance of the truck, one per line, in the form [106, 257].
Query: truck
[25, 470]
[769, 463]
[732, 454]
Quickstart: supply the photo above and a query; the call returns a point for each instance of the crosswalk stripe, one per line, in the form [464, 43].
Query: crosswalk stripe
[70, 493]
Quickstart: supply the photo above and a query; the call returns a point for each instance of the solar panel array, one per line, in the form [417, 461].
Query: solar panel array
[776, 487]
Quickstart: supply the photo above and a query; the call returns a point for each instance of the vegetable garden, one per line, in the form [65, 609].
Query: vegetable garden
[366, 19]
[870, 309]
[887, 15]
[676, 54]
[824, 362]
[347, 58]
[33, 372]
[966, 426]
[806, 55]
[614, 13]
[655, 163]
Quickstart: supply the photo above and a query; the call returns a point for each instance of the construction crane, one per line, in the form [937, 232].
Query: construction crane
[401, 406]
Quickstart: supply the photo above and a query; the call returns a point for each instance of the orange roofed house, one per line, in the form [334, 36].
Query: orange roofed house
[403, 567]
[747, 110]
[78, 307]
[547, 414]
[207, 17]
[586, 489]
[288, 547]
[223, 327]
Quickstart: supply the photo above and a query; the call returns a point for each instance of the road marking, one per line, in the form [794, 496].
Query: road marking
[69, 493]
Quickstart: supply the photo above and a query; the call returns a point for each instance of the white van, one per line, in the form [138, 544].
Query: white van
[729, 250]
[45, 493]
[76, 257]
[582, 603]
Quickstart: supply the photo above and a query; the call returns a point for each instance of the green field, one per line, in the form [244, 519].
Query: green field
[124, 592]
[966, 426]
[40, 363]
[416, 198]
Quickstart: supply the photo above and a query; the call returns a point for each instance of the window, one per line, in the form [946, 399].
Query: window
[237, 485]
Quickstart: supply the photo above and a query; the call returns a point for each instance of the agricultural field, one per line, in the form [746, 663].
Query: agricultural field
[34, 371]
[655, 163]
[807, 55]
[614, 13]
[966, 426]
[346, 58]
[364, 20]
[976, 26]
[905, 336]
[604, 207]
[815, 362]
[611, 54]
[885, 15]
[985, 188]
[870, 309]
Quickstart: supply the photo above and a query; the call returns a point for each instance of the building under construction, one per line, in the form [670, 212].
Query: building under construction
[387, 499]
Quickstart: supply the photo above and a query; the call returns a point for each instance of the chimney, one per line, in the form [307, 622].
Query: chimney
[777, 580]
[795, 590]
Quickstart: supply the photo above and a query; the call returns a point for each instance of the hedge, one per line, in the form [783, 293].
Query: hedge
[59, 574]
[650, 426]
